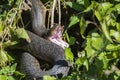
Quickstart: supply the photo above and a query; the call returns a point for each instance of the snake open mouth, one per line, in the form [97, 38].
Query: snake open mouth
[56, 37]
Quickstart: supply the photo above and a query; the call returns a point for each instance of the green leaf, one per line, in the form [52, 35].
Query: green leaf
[91, 6]
[104, 7]
[117, 0]
[72, 40]
[118, 26]
[94, 44]
[69, 54]
[5, 70]
[80, 1]
[86, 64]
[76, 6]
[86, 3]
[102, 57]
[118, 8]
[83, 26]
[105, 31]
[73, 21]
[115, 34]
[22, 34]
[88, 47]
[1, 27]
[67, 36]
[11, 78]
[19, 74]
[49, 78]
[10, 43]
[13, 67]
[113, 47]
[98, 15]
[111, 19]
[3, 57]
[80, 61]
[3, 77]
[112, 55]
[97, 41]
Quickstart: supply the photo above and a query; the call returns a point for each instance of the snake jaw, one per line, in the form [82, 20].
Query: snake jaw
[56, 37]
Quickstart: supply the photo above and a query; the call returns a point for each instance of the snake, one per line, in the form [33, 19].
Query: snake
[41, 48]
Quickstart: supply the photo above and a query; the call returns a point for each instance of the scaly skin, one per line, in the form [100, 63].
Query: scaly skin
[40, 48]
[45, 50]
[30, 66]
[38, 17]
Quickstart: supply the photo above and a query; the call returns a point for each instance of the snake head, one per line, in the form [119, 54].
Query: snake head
[56, 36]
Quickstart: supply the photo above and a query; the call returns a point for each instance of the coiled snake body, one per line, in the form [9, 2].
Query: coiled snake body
[40, 48]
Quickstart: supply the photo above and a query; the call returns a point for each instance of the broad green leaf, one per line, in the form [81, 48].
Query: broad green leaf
[113, 47]
[1, 27]
[13, 34]
[94, 44]
[98, 15]
[105, 62]
[22, 34]
[117, 0]
[86, 3]
[118, 8]
[73, 21]
[76, 6]
[103, 7]
[86, 64]
[97, 41]
[118, 27]
[112, 55]
[106, 31]
[3, 77]
[72, 40]
[80, 61]
[11, 78]
[3, 57]
[88, 47]
[69, 54]
[10, 2]
[10, 43]
[10, 58]
[115, 34]
[91, 6]
[106, 5]
[19, 74]
[80, 1]
[49, 78]
[102, 57]
[13, 67]
[110, 19]
[4, 70]
[83, 26]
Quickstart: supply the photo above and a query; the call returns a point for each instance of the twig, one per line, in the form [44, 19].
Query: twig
[49, 16]
[59, 12]
[53, 10]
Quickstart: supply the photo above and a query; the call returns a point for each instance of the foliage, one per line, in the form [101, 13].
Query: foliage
[99, 27]
[10, 35]
[6, 73]
[101, 41]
